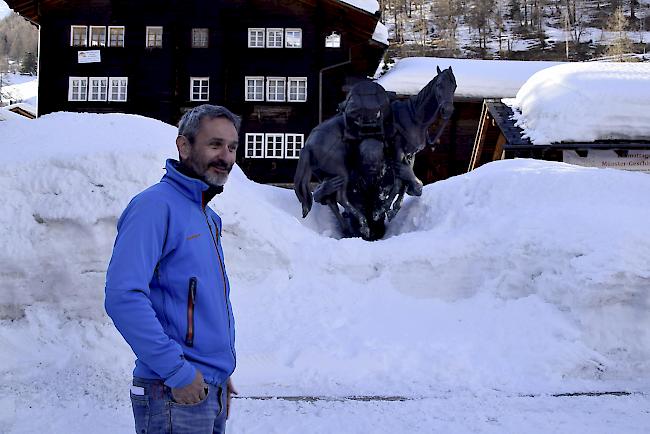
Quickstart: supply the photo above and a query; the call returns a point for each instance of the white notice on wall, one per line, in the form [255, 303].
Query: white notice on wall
[91, 56]
[633, 160]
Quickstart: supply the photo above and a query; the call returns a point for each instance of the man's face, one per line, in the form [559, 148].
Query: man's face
[212, 155]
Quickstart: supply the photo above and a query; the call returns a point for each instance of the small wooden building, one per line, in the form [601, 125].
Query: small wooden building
[280, 64]
[498, 137]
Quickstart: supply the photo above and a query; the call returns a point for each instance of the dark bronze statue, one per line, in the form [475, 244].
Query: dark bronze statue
[363, 157]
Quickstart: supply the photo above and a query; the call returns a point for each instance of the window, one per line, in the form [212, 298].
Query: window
[274, 146]
[254, 145]
[116, 36]
[77, 88]
[97, 36]
[293, 38]
[333, 40]
[199, 88]
[275, 88]
[256, 38]
[274, 38]
[254, 88]
[78, 36]
[154, 37]
[297, 89]
[293, 145]
[199, 38]
[118, 88]
[98, 89]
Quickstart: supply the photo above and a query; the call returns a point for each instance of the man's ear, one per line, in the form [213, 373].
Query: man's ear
[184, 147]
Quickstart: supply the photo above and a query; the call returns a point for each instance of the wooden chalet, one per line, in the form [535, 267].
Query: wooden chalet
[281, 64]
[498, 138]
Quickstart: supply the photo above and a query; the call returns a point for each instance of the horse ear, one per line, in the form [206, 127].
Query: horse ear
[451, 70]
[438, 69]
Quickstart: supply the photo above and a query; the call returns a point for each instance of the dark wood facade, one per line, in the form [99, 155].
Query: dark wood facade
[159, 78]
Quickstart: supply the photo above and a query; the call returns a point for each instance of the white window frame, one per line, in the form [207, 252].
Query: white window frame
[99, 97]
[252, 30]
[329, 40]
[275, 94]
[293, 153]
[108, 36]
[201, 85]
[252, 140]
[276, 43]
[83, 97]
[100, 43]
[146, 41]
[295, 81]
[110, 89]
[85, 42]
[246, 87]
[286, 38]
[272, 151]
[207, 37]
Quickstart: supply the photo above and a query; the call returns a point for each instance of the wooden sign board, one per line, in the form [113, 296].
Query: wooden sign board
[630, 160]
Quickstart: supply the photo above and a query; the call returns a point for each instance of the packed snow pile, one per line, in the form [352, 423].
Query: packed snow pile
[475, 78]
[520, 278]
[585, 102]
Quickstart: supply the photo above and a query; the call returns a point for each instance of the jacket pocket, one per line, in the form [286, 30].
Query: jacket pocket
[191, 302]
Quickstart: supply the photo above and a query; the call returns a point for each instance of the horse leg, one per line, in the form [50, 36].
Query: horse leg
[398, 203]
[337, 213]
[363, 223]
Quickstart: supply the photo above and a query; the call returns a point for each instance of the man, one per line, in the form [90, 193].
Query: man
[166, 285]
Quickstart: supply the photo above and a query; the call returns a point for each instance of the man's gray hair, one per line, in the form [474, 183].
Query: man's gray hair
[190, 123]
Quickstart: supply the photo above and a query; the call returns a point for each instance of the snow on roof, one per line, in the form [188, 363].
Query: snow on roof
[23, 106]
[381, 33]
[370, 6]
[585, 102]
[475, 78]
[23, 88]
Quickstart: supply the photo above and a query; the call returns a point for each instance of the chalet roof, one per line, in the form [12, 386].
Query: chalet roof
[477, 79]
[22, 108]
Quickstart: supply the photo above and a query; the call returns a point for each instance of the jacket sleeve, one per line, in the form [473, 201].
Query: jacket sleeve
[141, 233]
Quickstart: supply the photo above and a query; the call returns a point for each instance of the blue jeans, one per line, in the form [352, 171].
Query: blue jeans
[155, 411]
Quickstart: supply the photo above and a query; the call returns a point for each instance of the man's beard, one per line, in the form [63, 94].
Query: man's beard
[202, 171]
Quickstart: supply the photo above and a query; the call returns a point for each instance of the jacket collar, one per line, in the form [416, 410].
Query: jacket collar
[193, 188]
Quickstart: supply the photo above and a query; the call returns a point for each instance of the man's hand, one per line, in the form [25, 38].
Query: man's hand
[231, 391]
[192, 393]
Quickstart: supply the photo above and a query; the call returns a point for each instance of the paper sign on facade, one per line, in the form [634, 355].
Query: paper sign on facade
[634, 160]
[91, 56]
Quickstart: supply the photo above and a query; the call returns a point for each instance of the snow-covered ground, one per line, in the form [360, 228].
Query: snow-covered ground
[491, 294]
[19, 88]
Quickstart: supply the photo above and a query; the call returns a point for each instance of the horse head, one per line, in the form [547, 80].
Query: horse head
[444, 89]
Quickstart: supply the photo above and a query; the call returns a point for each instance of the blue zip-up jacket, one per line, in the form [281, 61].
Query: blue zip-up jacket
[166, 286]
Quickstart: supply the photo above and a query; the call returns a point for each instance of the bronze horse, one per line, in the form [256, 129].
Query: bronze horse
[363, 157]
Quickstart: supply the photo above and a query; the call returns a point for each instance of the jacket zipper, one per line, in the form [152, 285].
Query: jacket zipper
[223, 276]
[191, 301]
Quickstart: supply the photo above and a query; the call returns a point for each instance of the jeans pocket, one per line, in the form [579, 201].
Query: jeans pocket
[140, 404]
[195, 418]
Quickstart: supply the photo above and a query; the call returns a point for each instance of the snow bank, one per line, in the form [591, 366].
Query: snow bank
[522, 277]
[585, 102]
[475, 78]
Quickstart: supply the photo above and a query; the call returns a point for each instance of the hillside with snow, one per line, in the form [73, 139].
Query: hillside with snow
[493, 298]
